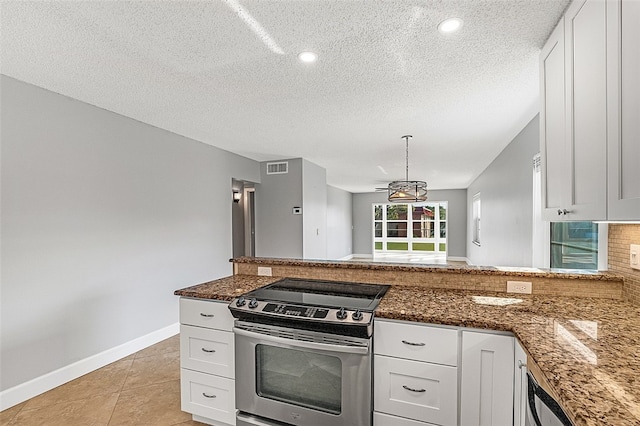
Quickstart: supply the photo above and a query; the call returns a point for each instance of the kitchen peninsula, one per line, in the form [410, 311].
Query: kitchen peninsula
[579, 333]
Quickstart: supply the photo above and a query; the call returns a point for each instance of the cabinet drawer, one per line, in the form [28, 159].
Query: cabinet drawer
[380, 419]
[206, 350]
[208, 396]
[417, 342]
[416, 390]
[205, 313]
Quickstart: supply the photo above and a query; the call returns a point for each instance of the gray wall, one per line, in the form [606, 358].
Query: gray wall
[339, 225]
[506, 194]
[278, 230]
[314, 211]
[103, 217]
[457, 222]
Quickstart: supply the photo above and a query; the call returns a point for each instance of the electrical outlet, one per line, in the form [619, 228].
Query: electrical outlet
[264, 271]
[634, 256]
[523, 287]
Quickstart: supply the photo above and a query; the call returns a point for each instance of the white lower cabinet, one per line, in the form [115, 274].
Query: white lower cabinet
[416, 390]
[436, 375]
[415, 374]
[381, 419]
[208, 396]
[207, 351]
[520, 386]
[487, 379]
[207, 368]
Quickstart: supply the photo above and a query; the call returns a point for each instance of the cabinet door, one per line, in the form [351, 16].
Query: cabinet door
[586, 95]
[416, 341]
[553, 153]
[208, 351]
[520, 386]
[416, 390]
[206, 313]
[487, 379]
[623, 109]
[211, 397]
[380, 419]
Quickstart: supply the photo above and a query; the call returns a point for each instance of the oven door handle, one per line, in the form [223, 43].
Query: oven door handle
[362, 350]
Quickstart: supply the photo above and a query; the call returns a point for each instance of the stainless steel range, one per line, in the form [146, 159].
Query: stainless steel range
[303, 353]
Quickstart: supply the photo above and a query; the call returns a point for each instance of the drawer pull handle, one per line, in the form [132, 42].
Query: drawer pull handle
[206, 315]
[210, 351]
[206, 395]
[414, 390]
[412, 344]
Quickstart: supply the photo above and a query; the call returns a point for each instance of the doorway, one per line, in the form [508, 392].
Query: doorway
[243, 223]
[250, 221]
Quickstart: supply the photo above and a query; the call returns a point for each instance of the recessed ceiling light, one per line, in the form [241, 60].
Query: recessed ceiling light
[307, 57]
[450, 25]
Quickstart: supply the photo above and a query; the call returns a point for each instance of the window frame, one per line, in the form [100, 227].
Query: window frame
[409, 244]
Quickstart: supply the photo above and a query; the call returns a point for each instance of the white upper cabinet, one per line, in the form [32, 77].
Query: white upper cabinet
[586, 126]
[555, 173]
[574, 115]
[623, 109]
[590, 113]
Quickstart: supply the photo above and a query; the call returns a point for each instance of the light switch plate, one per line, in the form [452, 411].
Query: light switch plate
[634, 256]
[523, 287]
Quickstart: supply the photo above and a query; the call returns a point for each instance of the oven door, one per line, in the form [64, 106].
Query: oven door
[302, 377]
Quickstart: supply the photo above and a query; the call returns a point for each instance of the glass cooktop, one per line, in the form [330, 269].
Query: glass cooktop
[335, 294]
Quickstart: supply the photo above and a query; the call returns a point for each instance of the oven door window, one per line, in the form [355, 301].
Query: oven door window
[306, 379]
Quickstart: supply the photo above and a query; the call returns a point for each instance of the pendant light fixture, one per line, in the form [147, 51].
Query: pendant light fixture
[407, 191]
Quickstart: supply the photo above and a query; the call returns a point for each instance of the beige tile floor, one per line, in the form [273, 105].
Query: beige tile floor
[141, 389]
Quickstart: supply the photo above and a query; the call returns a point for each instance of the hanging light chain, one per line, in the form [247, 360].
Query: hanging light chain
[406, 139]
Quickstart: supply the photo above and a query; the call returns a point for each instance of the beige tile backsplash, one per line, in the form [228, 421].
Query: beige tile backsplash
[469, 280]
[620, 238]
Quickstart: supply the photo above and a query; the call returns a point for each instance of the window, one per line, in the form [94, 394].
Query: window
[574, 245]
[418, 228]
[476, 219]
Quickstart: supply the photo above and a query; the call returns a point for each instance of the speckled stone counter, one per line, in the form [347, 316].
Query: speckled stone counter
[226, 289]
[587, 349]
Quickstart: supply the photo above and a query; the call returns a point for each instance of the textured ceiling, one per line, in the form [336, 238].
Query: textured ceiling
[226, 73]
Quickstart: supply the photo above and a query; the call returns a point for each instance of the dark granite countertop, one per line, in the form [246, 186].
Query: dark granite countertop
[587, 349]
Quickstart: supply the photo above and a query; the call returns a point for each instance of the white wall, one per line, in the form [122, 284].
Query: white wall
[457, 221]
[314, 211]
[103, 217]
[339, 225]
[506, 193]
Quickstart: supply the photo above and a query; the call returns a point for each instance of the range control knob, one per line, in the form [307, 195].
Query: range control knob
[357, 315]
[341, 314]
[240, 301]
[253, 303]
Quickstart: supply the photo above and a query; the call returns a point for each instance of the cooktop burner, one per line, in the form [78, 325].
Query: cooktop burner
[332, 306]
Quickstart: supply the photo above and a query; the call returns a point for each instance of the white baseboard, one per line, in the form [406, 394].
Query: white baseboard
[34, 387]
[459, 259]
[359, 256]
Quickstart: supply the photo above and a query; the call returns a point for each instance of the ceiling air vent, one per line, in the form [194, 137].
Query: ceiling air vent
[278, 168]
